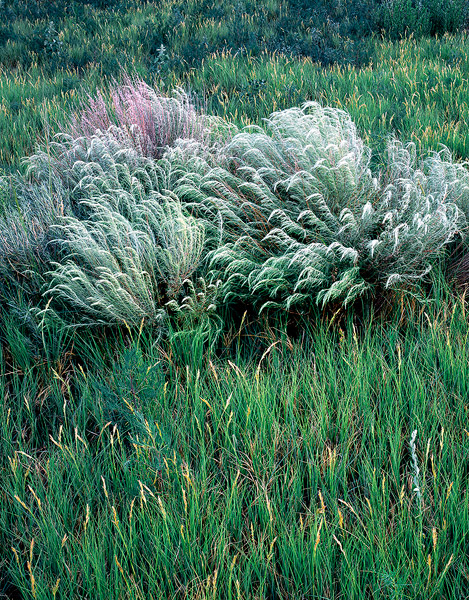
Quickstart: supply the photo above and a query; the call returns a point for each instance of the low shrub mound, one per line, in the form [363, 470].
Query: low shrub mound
[137, 117]
[306, 221]
[94, 234]
[144, 200]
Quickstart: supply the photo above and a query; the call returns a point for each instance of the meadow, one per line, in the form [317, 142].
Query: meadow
[414, 88]
[233, 316]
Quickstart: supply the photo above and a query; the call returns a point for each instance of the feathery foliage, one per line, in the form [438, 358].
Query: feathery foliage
[119, 268]
[281, 217]
[143, 119]
[123, 247]
[26, 245]
[305, 220]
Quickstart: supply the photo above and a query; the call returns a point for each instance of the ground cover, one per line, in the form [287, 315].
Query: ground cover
[283, 470]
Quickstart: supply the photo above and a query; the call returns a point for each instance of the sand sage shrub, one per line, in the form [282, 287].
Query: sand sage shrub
[26, 239]
[306, 221]
[125, 247]
[128, 253]
[139, 117]
[283, 216]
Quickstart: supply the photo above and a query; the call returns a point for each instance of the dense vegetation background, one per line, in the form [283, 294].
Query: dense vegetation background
[242, 60]
[234, 361]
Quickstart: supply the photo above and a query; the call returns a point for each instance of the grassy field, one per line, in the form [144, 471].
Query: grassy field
[415, 88]
[235, 367]
[288, 473]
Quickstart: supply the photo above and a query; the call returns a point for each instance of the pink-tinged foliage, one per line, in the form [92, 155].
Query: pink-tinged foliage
[91, 117]
[138, 117]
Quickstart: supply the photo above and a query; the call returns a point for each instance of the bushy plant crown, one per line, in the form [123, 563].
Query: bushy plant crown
[306, 221]
[286, 216]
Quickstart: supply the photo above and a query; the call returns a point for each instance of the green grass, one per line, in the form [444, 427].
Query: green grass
[279, 470]
[415, 88]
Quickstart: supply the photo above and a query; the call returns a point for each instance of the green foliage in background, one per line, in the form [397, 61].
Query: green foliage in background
[416, 90]
[52, 54]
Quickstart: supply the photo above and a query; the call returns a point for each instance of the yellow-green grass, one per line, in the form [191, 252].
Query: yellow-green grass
[417, 90]
[282, 470]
